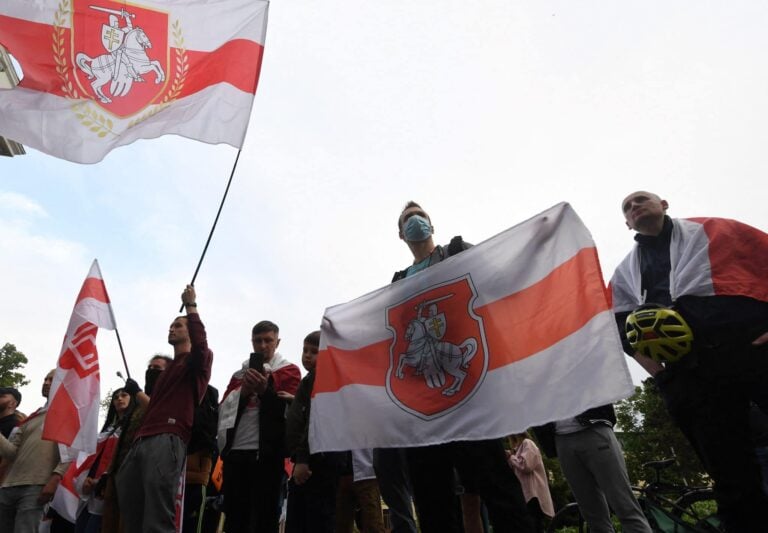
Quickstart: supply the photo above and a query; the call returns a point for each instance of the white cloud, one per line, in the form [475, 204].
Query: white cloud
[19, 203]
[486, 114]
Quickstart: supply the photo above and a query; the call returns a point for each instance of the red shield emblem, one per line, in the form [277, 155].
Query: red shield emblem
[120, 53]
[439, 355]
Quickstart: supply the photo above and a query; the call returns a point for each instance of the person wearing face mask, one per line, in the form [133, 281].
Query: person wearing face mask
[155, 367]
[479, 466]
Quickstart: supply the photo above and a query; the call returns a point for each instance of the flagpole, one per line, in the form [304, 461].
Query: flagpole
[122, 352]
[215, 221]
[114, 321]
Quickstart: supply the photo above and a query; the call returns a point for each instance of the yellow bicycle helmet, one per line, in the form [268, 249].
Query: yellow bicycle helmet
[659, 332]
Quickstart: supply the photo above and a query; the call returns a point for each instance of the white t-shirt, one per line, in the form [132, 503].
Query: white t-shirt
[247, 432]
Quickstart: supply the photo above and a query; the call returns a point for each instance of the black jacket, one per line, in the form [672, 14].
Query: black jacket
[297, 421]
[271, 424]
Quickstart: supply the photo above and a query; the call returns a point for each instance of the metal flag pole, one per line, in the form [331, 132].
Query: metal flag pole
[114, 321]
[122, 352]
[215, 221]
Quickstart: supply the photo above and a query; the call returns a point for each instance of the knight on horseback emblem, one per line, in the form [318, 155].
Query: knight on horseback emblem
[126, 58]
[438, 351]
[432, 357]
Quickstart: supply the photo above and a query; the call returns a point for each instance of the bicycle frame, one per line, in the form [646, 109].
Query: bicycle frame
[666, 516]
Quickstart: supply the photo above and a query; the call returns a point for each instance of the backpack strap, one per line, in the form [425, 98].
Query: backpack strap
[455, 246]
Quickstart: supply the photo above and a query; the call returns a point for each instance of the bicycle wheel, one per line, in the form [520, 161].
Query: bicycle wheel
[568, 519]
[698, 507]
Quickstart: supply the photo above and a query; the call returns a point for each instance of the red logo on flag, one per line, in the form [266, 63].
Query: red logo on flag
[81, 355]
[439, 356]
[121, 53]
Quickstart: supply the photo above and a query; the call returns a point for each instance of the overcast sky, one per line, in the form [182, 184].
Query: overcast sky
[485, 112]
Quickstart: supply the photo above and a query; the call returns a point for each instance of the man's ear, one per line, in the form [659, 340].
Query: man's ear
[628, 226]
[665, 205]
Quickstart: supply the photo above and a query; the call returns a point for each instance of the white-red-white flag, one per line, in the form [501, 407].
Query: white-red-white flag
[99, 74]
[709, 256]
[514, 332]
[66, 500]
[73, 408]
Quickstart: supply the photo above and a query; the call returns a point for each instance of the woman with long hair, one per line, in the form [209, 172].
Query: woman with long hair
[525, 460]
[120, 408]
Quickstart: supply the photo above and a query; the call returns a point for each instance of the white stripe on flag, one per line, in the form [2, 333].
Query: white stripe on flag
[536, 341]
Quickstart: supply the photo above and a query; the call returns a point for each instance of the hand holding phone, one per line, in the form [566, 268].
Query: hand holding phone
[256, 362]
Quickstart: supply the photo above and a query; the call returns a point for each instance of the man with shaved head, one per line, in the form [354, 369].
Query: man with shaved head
[714, 273]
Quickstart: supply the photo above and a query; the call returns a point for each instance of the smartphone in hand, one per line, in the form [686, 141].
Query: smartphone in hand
[256, 361]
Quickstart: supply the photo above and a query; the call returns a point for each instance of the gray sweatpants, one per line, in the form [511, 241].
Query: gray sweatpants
[594, 467]
[147, 484]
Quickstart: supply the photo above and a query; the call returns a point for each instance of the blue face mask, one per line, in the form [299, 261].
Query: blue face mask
[417, 229]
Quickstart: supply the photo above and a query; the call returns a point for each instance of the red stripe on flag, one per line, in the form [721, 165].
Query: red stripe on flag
[337, 368]
[516, 326]
[527, 322]
[734, 252]
[62, 422]
[237, 62]
[30, 43]
[93, 288]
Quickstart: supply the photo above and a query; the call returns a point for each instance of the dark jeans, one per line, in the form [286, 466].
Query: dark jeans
[395, 486]
[708, 395]
[194, 507]
[311, 506]
[87, 522]
[481, 465]
[252, 492]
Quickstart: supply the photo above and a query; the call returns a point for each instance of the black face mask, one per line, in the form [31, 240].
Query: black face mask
[150, 378]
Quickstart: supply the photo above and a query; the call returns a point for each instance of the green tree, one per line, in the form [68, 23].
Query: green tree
[11, 360]
[558, 486]
[647, 433]
[105, 402]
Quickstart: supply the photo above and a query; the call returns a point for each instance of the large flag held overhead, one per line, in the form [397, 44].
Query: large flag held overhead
[514, 332]
[99, 74]
[73, 409]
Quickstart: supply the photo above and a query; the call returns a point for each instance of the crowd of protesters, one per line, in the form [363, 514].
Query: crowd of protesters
[247, 466]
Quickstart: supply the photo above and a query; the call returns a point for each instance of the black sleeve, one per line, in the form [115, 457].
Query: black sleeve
[546, 436]
[621, 320]
[297, 422]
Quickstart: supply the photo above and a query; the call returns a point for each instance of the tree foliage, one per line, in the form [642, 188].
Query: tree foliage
[12, 360]
[647, 433]
[558, 486]
[105, 401]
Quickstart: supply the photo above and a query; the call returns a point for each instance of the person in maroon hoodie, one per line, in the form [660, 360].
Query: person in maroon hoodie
[148, 479]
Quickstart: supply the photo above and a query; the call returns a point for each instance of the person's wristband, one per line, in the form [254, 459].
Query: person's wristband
[190, 305]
